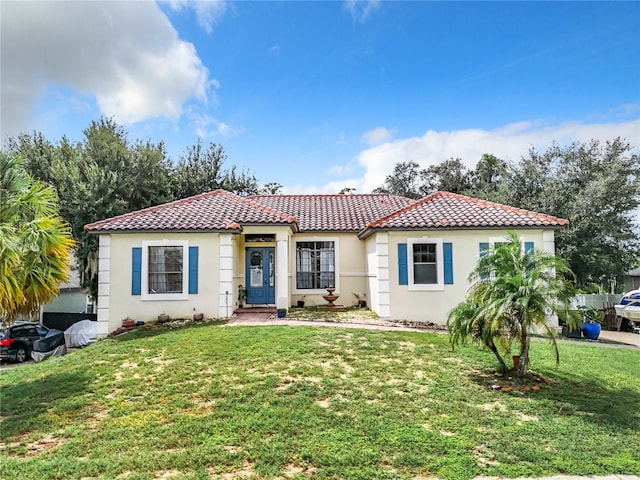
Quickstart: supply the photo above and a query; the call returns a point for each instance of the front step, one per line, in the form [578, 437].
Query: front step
[256, 309]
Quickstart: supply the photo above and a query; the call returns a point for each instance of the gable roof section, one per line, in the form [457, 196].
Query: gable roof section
[222, 211]
[216, 211]
[445, 210]
[334, 213]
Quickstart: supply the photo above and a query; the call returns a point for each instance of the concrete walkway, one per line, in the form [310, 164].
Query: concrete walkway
[621, 337]
[610, 338]
[571, 477]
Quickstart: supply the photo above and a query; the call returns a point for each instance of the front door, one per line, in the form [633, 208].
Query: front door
[260, 275]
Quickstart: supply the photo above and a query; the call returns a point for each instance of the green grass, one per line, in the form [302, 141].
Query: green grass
[305, 402]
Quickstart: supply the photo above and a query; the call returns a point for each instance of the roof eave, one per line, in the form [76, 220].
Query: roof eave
[368, 231]
[165, 230]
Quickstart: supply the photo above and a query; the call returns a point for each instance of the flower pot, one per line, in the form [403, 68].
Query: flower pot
[591, 330]
[300, 303]
[282, 312]
[198, 316]
[362, 304]
[516, 361]
[163, 317]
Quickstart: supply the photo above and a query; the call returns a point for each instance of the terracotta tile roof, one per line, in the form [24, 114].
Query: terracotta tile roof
[450, 210]
[334, 213]
[212, 211]
[364, 213]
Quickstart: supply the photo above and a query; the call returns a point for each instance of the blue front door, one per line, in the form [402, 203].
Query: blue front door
[260, 275]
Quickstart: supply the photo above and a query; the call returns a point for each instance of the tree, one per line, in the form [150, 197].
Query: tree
[448, 176]
[35, 242]
[271, 188]
[243, 183]
[404, 181]
[596, 187]
[512, 295]
[198, 170]
[37, 154]
[489, 179]
[409, 180]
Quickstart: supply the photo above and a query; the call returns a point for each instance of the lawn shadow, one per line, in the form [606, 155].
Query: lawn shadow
[26, 403]
[590, 398]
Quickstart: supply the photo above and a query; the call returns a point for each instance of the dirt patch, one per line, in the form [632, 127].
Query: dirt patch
[245, 471]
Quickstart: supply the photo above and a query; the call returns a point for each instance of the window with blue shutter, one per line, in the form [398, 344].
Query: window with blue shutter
[528, 247]
[136, 270]
[193, 269]
[484, 250]
[447, 258]
[403, 270]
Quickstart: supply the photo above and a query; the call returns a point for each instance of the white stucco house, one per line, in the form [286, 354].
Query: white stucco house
[410, 258]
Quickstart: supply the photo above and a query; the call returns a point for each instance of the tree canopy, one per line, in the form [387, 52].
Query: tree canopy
[107, 174]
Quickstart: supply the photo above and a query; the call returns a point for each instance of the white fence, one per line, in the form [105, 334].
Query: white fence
[595, 300]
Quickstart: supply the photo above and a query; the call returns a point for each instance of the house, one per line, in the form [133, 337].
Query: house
[411, 258]
[72, 303]
[632, 280]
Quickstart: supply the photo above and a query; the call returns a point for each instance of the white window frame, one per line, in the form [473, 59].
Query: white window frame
[184, 295]
[439, 264]
[336, 266]
[505, 239]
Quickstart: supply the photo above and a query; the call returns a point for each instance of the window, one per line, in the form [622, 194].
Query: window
[315, 265]
[165, 270]
[426, 265]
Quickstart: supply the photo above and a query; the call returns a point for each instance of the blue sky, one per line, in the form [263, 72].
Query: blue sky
[319, 96]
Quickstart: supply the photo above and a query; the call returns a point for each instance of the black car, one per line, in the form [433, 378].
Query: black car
[17, 340]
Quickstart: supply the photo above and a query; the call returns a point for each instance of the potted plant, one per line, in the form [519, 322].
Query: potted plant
[300, 302]
[362, 300]
[242, 296]
[569, 320]
[591, 317]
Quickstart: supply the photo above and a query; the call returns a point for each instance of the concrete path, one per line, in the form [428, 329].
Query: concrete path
[571, 477]
[621, 337]
[261, 319]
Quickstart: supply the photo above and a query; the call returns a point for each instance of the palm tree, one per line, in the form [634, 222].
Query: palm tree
[35, 243]
[512, 296]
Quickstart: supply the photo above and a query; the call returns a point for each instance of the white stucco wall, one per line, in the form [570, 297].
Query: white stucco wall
[352, 273]
[115, 301]
[434, 306]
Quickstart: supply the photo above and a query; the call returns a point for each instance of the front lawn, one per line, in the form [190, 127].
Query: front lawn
[306, 402]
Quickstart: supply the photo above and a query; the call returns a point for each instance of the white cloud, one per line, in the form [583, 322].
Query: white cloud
[208, 12]
[275, 49]
[377, 136]
[209, 127]
[509, 142]
[361, 9]
[126, 55]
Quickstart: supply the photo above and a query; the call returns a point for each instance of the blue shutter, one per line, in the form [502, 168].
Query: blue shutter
[447, 256]
[484, 250]
[403, 269]
[136, 270]
[193, 269]
[528, 247]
